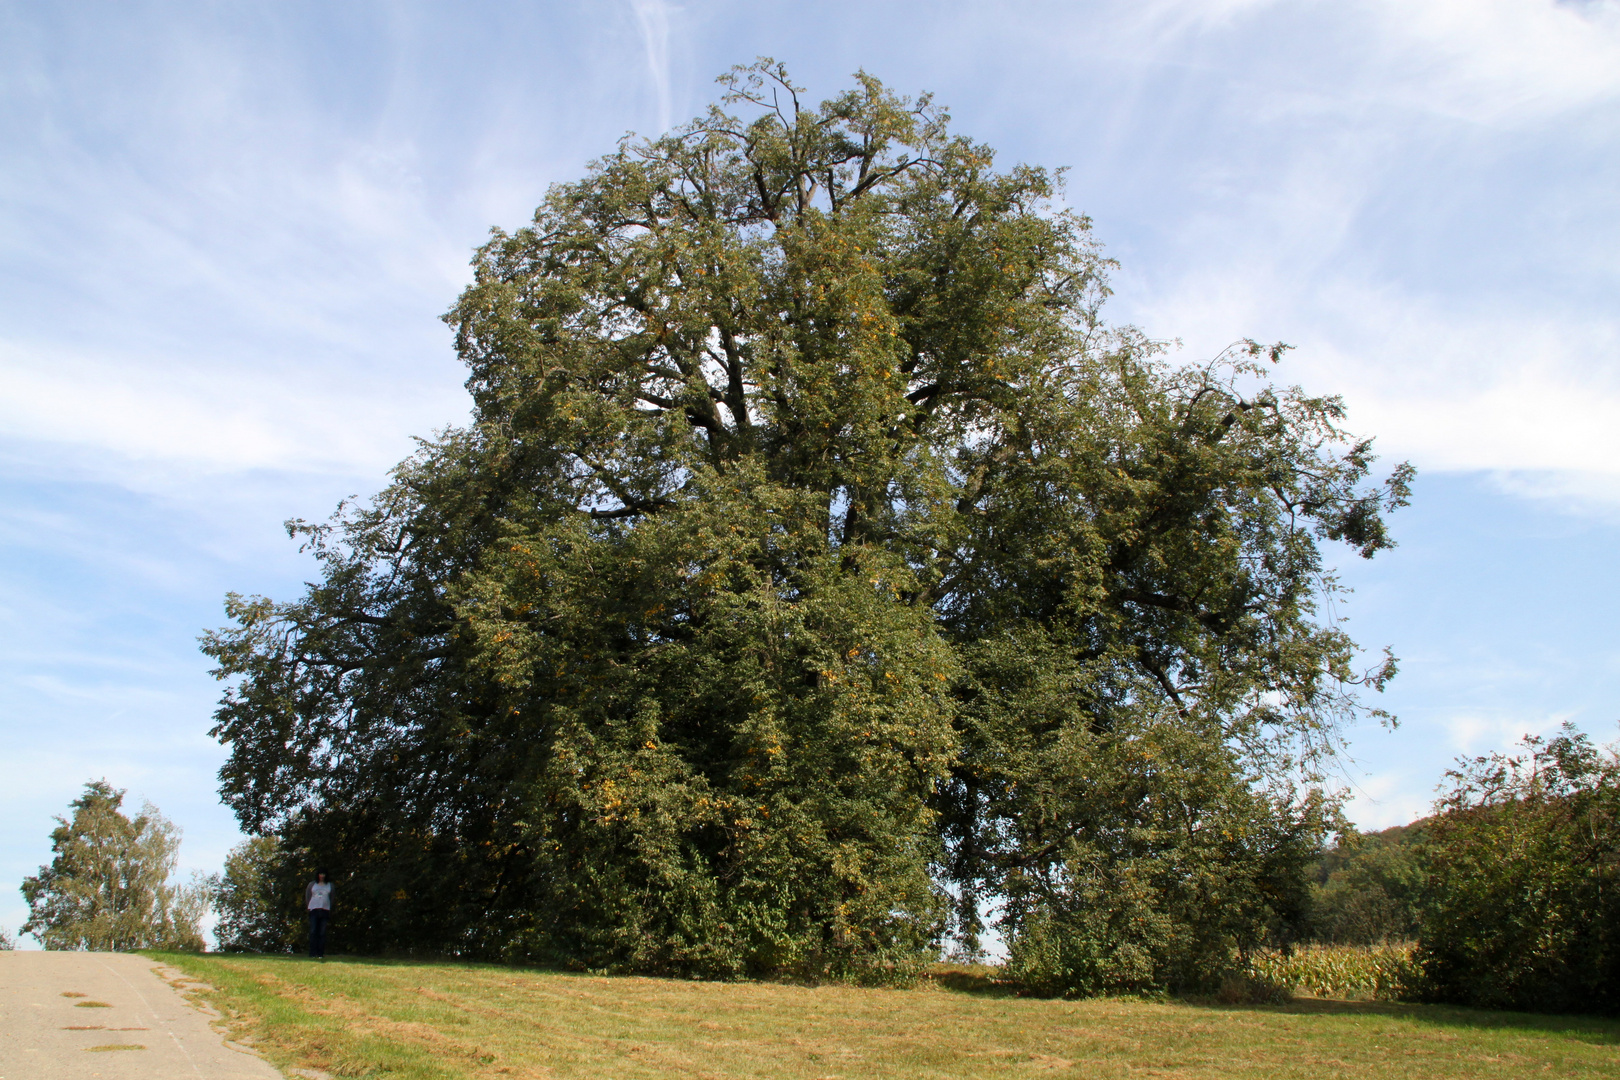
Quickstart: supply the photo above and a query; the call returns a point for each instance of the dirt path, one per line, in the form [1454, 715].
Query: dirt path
[107, 1016]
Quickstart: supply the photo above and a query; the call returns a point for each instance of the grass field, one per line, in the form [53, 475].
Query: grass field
[421, 1021]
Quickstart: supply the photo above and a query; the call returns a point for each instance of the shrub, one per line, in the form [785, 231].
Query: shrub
[1249, 988]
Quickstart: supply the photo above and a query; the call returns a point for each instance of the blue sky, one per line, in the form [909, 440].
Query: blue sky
[227, 232]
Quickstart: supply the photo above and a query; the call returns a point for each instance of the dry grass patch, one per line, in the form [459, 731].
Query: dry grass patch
[459, 1022]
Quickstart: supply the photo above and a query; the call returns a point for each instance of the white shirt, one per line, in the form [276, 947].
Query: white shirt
[320, 896]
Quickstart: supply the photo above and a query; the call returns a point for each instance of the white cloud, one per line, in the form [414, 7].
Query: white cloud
[1587, 492]
[1486, 61]
[1500, 60]
[1473, 390]
[1527, 393]
[207, 421]
[1389, 798]
[1475, 733]
[1453, 281]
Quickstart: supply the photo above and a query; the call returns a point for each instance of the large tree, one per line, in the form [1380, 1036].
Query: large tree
[812, 540]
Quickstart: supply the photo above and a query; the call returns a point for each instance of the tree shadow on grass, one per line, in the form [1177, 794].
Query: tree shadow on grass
[1597, 1030]
[385, 960]
[976, 980]
[987, 981]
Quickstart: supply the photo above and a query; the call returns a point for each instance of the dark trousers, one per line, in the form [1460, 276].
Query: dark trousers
[317, 931]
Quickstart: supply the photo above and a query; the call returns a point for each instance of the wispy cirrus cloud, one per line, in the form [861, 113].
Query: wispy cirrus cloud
[655, 20]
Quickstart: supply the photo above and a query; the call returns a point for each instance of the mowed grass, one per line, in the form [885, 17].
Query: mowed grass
[436, 1021]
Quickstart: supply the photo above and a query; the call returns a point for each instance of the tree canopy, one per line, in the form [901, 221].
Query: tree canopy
[817, 562]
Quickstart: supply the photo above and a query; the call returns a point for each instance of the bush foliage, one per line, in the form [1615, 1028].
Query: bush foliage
[1173, 866]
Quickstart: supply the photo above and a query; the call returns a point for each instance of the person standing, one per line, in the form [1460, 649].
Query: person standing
[318, 900]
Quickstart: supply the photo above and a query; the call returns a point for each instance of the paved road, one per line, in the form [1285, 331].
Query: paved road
[50, 1029]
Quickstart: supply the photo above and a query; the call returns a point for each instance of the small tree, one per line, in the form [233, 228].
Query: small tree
[1525, 881]
[250, 919]
[1370, 888]
[108, 887]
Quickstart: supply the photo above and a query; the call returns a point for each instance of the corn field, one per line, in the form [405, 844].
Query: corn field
[1378, 972]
